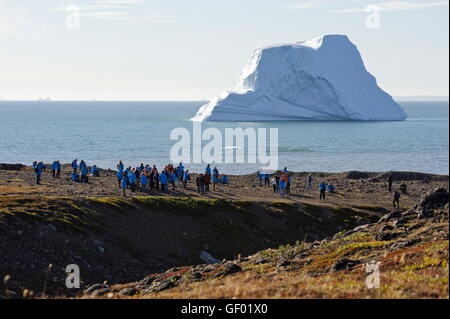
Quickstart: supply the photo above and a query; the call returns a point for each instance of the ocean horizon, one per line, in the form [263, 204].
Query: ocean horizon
[104, 132]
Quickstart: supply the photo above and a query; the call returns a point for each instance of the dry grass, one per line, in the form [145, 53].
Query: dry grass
[429, 279]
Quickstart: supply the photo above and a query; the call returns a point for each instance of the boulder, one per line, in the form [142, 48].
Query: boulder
[283, 263]
[386, 228]
[94, 287]
[128, 291]
[404, 244]
[167, 284]
[344, 264]
[196, 275]
[101, 292]
[261, 261]
[435, 199]
[400, 222]
[11, 167]
[231, 268]
[390, 216]
[385, 236]
[424, 213]
[357, 175]
[147, 281]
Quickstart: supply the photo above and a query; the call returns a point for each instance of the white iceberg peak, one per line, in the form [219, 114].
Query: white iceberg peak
[320, 79]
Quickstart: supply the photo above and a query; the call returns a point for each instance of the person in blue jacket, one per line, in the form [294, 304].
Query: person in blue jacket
[54, 166]
[224, 179]
[74, 177]
[180, 170]
[58, 169]
[119, 176]
[163, 182]
[260, 178]
[215, 178]
[132, 180]
[75, 165]
[38, 167]
[144, 182]
[82, 165]
[172, 179]
[267, 179]
[331, 188]
[186, 178]
[288, 184]
[282, 187]
[180, 174]
[124, 184]
[208, 169]
[94, 171]
[323, 189]
[84, 173]
[120, 166]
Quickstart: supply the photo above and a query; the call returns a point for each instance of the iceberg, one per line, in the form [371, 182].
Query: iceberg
[322, 79]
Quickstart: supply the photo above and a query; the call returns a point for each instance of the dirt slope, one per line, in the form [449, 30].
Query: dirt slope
[410, 248]
[122, 240]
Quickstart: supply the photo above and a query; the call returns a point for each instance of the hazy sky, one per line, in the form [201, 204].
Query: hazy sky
[191, 50]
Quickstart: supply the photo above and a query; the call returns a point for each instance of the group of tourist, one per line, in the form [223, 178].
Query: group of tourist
[83, 176]
[205, 179]
[281, 183]
[147, 178]
[144, 178]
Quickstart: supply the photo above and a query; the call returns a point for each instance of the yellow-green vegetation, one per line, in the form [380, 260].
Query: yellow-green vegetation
[352, 248]
[435, 256]
[438, 247]
[25, 190]
[179, 203]
[426, 263]
[63, 212]
[419, 271]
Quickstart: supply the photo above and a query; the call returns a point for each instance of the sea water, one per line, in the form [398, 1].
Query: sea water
[103, 133]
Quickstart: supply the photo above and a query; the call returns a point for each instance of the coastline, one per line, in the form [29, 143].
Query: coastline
[16, 179]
